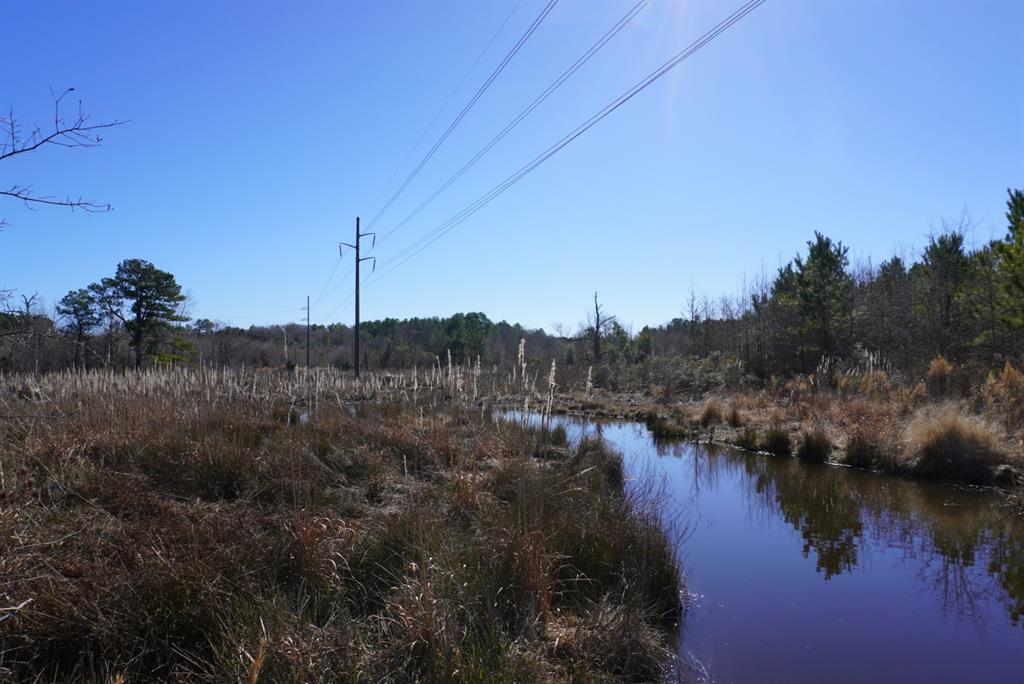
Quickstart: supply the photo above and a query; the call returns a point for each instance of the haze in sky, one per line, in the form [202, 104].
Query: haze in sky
[258, 132]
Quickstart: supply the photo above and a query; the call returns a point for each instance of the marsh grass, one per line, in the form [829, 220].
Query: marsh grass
[944, 442]
[200, 528]
[862, 451]
[776, 442]
[814, 446]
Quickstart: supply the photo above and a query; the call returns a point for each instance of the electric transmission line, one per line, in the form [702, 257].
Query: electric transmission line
[419, 140]
[419, 245]
[573, 68]
[465, 110]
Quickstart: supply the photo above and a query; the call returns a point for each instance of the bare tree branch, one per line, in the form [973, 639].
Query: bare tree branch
[74, 132]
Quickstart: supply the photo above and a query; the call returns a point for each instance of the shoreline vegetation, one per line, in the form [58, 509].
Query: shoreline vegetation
[226, 526]
[280, 524]
[938, 428]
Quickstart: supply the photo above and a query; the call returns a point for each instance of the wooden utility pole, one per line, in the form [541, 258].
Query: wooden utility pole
[307, 331]
[359, 260]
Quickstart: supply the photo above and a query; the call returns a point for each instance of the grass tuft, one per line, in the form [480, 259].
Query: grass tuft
[945, 443]
[776, 442]
[862, 451]
[814, 447]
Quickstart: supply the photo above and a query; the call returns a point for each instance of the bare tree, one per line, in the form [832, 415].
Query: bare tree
[75, 131]
[597, 327]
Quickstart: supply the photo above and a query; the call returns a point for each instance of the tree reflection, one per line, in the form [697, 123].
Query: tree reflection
[958, 543]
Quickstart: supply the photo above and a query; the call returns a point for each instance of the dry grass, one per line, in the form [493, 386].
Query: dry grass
[814, 446]
[862, 451]
[1003, 393]
[776, 442]
[711, 415]
[944, 442]
[939, 379]
[203, 529]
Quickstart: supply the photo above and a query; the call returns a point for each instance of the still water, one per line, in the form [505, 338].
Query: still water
[813, 573]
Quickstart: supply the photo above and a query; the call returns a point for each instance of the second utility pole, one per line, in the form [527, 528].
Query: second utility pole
[359, 260]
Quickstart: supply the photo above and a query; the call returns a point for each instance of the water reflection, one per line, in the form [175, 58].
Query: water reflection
[960, 545]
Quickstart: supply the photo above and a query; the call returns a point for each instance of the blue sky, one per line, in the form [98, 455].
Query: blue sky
[260, 130]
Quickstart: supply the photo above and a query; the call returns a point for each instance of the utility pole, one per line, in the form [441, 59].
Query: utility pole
[359, 260]
[307, 331]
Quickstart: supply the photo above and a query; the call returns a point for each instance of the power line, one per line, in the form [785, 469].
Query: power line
[341, 282]
[412, 149]
[526, 112]
[465, 110]
[329, 278]
[446, 103]
[438, 232]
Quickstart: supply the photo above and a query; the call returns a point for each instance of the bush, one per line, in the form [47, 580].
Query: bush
[776, 442]
[944, 443]
[814, 447]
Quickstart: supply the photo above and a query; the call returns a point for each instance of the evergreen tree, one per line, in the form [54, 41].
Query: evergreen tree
[823, 291]
[1011, 262]
[81, 315]
[145, 299]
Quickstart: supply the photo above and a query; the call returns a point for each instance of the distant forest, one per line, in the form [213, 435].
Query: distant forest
[951, 300]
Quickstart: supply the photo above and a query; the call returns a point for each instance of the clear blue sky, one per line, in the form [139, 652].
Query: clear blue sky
[260, 130]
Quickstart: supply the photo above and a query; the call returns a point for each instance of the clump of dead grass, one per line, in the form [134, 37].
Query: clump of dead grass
[946, 443]
[814, 446]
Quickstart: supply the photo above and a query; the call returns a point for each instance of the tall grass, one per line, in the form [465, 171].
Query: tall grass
[946, 443]
[225, 526]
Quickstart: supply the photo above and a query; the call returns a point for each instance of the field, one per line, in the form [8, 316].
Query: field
[275, 526]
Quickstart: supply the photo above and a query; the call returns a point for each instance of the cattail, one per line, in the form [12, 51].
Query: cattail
[590, 381]
[551, 388]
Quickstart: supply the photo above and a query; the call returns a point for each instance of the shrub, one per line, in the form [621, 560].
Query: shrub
[776, 442]
[814, 447]
[939, 379]
[944, 443]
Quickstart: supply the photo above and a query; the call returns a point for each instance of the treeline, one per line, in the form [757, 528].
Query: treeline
[966, 304]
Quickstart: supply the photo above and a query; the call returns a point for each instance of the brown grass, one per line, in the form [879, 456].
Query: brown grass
[814, 446]
[944, 442]
[776, 442]
[711, 415]
[1003, 393]
[204, 533]
[939, 379]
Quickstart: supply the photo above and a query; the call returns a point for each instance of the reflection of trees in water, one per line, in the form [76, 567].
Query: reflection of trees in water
[1006, 565]
[814, 503]
[960, 545]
